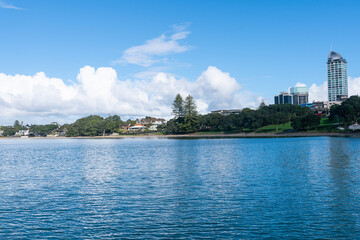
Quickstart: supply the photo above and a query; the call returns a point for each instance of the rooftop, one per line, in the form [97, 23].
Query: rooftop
[334, 55]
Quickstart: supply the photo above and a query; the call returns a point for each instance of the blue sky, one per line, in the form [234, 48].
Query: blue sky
[267, 46]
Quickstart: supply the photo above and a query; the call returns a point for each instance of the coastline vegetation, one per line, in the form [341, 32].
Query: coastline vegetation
[282, 118]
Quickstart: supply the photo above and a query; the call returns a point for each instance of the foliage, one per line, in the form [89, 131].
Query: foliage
[11, 130]
[307, 122]
[185, 119]
[178, 106]
[43, 130]
[94, 125]
[247, 119]
[348, 111]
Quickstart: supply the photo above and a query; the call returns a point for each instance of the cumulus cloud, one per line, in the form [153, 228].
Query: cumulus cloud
[100, 91]
[300, 84]
[9, 6]
[354, 86]
[320, 92]
[155, 50]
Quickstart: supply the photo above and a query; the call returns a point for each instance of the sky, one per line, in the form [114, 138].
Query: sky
[61, 59]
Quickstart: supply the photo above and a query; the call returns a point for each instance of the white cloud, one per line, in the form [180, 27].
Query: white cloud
[9, 6]
[155, 50]
[320, 92]
[299, 84]
[39, 99]
[354, 86]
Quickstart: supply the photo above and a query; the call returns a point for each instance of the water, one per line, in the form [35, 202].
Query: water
[180, 189]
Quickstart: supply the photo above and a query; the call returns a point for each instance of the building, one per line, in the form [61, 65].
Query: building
[136, 128]
[151, 122]
[300, 95]
[227, 112]
[337, 77]
[22, 133]
[283, 98]
[297, 96]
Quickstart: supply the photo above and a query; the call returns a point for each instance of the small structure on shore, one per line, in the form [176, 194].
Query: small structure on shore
[354, 127]
[136, 128]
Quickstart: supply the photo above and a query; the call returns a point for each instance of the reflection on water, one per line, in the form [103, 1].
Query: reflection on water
[342, 179]
[166, 188]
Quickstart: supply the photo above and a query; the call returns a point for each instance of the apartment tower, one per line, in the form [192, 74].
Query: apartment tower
[337, 77]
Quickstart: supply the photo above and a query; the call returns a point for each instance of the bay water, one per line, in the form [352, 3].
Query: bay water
[160, 188]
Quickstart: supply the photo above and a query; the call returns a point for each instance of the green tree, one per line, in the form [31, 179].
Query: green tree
[178, 106]
[262, 104]
[43, 130]
[17, 124]
[307, 122]
[190, 107]
[348, 111]
[190, 123]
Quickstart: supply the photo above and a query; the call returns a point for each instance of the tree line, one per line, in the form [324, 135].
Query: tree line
[187, 120]
[348, 112]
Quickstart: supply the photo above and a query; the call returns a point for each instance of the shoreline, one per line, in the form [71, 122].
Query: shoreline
[214, 135]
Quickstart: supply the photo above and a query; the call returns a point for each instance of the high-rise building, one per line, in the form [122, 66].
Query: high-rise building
[283, 98]
[337, 77]
[300, 95]
[297, 96]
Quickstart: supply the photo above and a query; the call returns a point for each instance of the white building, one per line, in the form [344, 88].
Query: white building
[136, 128]
[337, 77]
[354, 127]
[22, 133]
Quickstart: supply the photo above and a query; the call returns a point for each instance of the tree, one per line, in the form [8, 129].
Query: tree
[262, 104]
[190, 107]
[307, 122]
[17, 123]
[178, 106]
[348, 111]
[191, 120]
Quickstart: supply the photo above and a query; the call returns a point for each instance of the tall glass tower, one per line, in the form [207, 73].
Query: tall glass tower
[337, 77]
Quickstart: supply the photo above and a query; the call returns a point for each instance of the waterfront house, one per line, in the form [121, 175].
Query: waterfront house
[136, 128]
[22, 133]
[354, 127]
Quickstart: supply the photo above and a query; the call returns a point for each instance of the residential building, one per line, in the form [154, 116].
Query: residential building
[151, 123]
[136, 128]
[22, 133]
[337, 77]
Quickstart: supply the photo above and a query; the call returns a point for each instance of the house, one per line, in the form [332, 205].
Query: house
[151, 122]
[136, 128]
[1, 132]
[22, 133]
[354, 127]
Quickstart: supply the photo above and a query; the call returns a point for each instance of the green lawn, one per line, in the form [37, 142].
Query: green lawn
[325, 126]
[272, 128]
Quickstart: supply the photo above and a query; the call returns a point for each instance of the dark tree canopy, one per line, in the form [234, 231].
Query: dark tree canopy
[348, 111]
